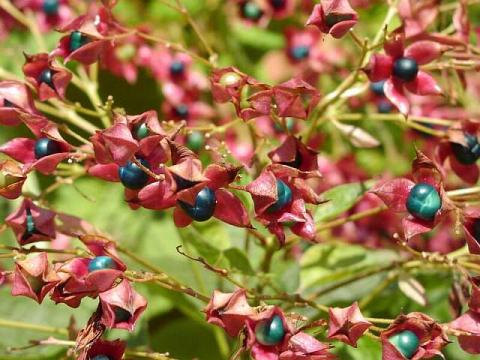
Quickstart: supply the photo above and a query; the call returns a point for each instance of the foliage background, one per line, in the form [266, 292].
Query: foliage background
[174, 323]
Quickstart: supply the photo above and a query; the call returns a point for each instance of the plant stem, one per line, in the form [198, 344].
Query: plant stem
[35, 327]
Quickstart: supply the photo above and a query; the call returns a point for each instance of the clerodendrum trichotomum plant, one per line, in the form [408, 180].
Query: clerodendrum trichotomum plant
[240, 179]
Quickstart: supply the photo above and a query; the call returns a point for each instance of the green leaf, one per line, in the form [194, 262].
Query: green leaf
[258, 38]
[238, 260]
[340, 199]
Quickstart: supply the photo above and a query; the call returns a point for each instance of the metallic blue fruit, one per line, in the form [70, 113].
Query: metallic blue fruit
[251, 11]
[377, 87]
[284, 194]
[50, 7]
[406, 342]
[101, 357]
[101, 263]
[300, 52]
[141, 131]
[45, 146]
[177, 68]
[270, 332]
[423, 201]
[47, 77]
[30, 228]
[204, 206]
[77, 40]
[405, 69]
[121, 315]
[384, 107]
[132, 176]
[181, 111]
[469, 154]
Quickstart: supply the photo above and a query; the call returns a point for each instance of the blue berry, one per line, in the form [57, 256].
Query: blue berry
[300, 52]
[406, 342]
[423, 201]
[405, 69]
[100, 357]
[141, 131]
[30, 228]
[101, 263]
[270, 332]
[132, 176]
[45, 147]
[50, 7]
[204, 206]
[251, 11]
[284, 194]
[181, 111]
[177, 68]
[468, 154]
[384, 107]
[77, 40]
[377, 87]
[47, 77]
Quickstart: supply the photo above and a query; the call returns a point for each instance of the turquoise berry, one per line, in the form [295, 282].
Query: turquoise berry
[47, 77]
[423, 201]
[405, 69]
[77, 40]
[377, 87]
[384, 106]
[181, 111]
[300, 52]
[469, 154]
[101, 263]
[284, 195]
[30, 228]
[406, 342]
[333, 19]
[251, 11]
[270, 332]
[132, 176]
[141, 131]
[121, 315]
[50, 7]
[45, 147]
[177, 68]
[278, 4]
[195, 141]
[204, 206]
[100, 357]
